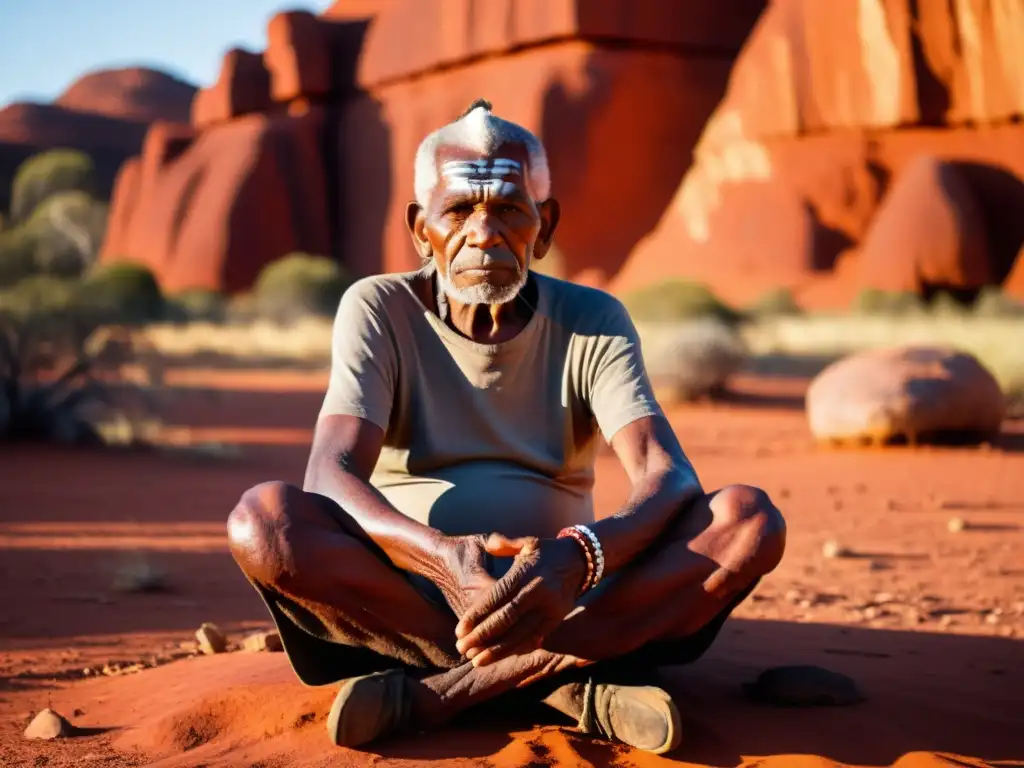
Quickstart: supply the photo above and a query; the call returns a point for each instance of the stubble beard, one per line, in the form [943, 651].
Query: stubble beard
[484, 293]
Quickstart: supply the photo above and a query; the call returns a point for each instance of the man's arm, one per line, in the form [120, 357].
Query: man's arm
[664, 483]
[344, 452]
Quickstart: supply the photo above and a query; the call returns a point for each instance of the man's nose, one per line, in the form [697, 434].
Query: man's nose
[482, 231]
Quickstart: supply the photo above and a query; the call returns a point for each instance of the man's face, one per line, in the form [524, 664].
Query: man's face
[481, 226]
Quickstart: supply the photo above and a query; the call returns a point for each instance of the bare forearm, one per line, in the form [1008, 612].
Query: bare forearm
[409, 544]
[656, 500]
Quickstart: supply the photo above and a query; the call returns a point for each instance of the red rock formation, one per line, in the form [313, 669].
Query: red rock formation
[931, 219]
[135, 93]
[586, 77]
[104, 113]
[243, 86]
[810, 122]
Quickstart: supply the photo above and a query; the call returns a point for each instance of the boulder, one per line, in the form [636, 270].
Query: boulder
[243, 86]
[929, 231]
[48, 725]
[912, 393]
[210, 639]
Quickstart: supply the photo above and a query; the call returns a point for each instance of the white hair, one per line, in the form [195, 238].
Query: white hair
[481, 131]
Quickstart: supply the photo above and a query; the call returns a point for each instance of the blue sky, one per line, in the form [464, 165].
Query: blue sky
[47, 44]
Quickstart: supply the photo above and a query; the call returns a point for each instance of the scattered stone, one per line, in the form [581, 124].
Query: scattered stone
[992, 618]
[784, 493]
[872, 612]
[945, 620]
[803, 686]
[263, 641]
[211, 640]
[793, 596]
[806, 603]
[49, 725]
[833, 549]
[883, 597]
[956, 524]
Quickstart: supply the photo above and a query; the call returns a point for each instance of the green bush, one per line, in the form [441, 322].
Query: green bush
[67, 230]
[17, 255]
[39, 294]
[677, 300]
[197, 306]
[121, 293]
[776, 303]
[299, 285]
[56, 170]
[871, 301]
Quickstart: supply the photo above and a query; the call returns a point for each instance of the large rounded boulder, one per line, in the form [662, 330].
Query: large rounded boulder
[916, 394]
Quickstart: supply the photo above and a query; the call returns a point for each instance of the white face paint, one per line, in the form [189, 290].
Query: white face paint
[484, 179]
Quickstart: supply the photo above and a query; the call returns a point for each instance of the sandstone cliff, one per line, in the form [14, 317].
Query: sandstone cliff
[331, 113]
[827, 107]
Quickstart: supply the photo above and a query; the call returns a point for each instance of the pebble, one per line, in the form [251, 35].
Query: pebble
[946, 620]
[263, 641]
[49, 725]
[211, 640]
[793, 596]
[883, 597]
[832, 549]
[992, 618]
[956, 524]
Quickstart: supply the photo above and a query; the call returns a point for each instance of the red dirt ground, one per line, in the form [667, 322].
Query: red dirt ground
[928, 621]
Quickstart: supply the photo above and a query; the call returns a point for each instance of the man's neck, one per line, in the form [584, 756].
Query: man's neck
[486, 323]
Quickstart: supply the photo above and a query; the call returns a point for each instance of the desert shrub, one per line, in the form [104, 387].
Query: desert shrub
[197, 306]
[776, 303]
[871, 301]
[677, 300]
[17, 255]
[54, 384]
[39, 294]
[945, 304]
[993, 302]
[693, 359]
[42, 175]
[299, 285]
[67, 229]
[120, 292]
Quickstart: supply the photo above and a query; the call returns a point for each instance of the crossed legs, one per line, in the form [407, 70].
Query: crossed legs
[344, 610]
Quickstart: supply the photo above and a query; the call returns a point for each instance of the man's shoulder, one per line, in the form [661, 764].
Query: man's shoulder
[582, 309]
[386, 293]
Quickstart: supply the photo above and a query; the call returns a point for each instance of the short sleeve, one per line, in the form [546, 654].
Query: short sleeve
[363, 359]
[620, 389]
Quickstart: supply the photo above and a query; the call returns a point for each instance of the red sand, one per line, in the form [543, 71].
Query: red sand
[939, 654]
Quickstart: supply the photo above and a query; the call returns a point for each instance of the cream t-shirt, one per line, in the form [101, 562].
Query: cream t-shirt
[478, 437]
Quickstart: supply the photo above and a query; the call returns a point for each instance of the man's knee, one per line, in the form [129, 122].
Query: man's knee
[263, 526]
[751, 510]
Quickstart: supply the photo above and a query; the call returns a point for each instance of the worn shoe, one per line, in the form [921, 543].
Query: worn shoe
[369, 707]
[644, 717]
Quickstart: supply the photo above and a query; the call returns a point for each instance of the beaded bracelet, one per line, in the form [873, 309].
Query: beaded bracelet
[598, 553]
[579, 538]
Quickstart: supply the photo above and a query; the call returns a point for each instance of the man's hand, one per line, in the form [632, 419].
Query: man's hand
[464, 578]
[526, 604]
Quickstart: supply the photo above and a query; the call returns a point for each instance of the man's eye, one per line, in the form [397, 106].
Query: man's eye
[460, 210]
[508, 209]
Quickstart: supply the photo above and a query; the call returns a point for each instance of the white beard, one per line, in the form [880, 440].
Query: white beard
[481, 293]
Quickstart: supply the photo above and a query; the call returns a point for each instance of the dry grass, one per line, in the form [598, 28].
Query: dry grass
[995, 341]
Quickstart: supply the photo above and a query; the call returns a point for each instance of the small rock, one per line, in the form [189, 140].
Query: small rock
[832, 549]
[871, 612]
[784, 493]
[956, 524]
[806, 603]
[211, 640]
[803, 686]
[891, 505]
[946, 620]
[793, 596]
[78, 712]
[992, 618]
[49, 725]
[263, 641]
[883, 597]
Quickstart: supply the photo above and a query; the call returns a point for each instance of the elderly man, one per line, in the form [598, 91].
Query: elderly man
[443, 548]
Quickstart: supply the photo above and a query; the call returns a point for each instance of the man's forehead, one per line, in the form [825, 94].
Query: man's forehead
[502, 172]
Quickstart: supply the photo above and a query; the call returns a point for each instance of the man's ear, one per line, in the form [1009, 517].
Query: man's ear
[550, 213]
[415, 220]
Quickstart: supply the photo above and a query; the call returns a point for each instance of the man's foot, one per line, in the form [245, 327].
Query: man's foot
[642, 716]
[369, 707]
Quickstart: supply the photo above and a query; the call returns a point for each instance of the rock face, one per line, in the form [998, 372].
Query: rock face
[105, 114]
[912, 393]
[828, 105]
[346, 101]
